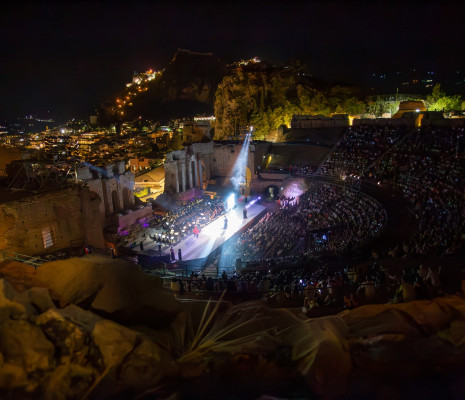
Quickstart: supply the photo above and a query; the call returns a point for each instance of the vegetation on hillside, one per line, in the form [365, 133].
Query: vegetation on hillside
[440, 101]
[267, 99]
[252, 94]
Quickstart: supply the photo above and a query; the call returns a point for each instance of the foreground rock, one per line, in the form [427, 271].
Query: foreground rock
[67, 353]
[8, 307]
[115, 289]
[62, 351]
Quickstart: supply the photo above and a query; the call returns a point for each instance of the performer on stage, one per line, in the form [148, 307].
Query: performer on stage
[225, 223]
[196, 231]
[244, 213]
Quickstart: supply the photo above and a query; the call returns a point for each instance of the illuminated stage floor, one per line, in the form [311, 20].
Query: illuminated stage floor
[213, 235]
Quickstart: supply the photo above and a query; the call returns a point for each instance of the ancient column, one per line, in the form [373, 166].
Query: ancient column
[200, 176]
[176, 176]
[183, 173]
[189, 170]
[196, 173]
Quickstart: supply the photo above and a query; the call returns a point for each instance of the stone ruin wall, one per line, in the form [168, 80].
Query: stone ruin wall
[22, 222]
[410, 120]
[216, 160]
[113, 185]
[224, 159]
[188, 171]
[75, 216]
[319, 121]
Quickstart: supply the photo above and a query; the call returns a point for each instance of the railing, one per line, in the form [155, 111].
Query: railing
[10, 255]
[186, 270]
[233, 297]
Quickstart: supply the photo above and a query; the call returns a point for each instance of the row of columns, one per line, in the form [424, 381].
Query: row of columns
[181, 182]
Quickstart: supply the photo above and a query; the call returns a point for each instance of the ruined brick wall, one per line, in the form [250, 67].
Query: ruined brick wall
[225, 157]
[116, 193]
[55, 217]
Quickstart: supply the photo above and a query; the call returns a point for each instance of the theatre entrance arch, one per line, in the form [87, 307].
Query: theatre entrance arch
[271, 191]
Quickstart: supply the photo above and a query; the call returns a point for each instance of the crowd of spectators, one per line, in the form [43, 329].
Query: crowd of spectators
[281, 250]
[306, 169]
[428, 167]
[281, 262]
[327, 218]
[320, 288]
[359, 148]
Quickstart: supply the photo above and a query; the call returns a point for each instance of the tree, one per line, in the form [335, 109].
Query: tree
[435, 95]
[379, 107]
[393, 106]
[439, 101]
[353, 106]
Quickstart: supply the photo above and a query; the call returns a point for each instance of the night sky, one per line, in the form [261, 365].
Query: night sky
[67, 56]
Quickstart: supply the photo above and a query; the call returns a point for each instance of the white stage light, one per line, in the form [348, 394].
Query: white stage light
[251, 203]
[230, 201]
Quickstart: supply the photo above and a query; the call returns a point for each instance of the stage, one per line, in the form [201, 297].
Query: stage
[211, 236]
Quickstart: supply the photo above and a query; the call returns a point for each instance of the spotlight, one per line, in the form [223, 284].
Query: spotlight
[230, 201]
